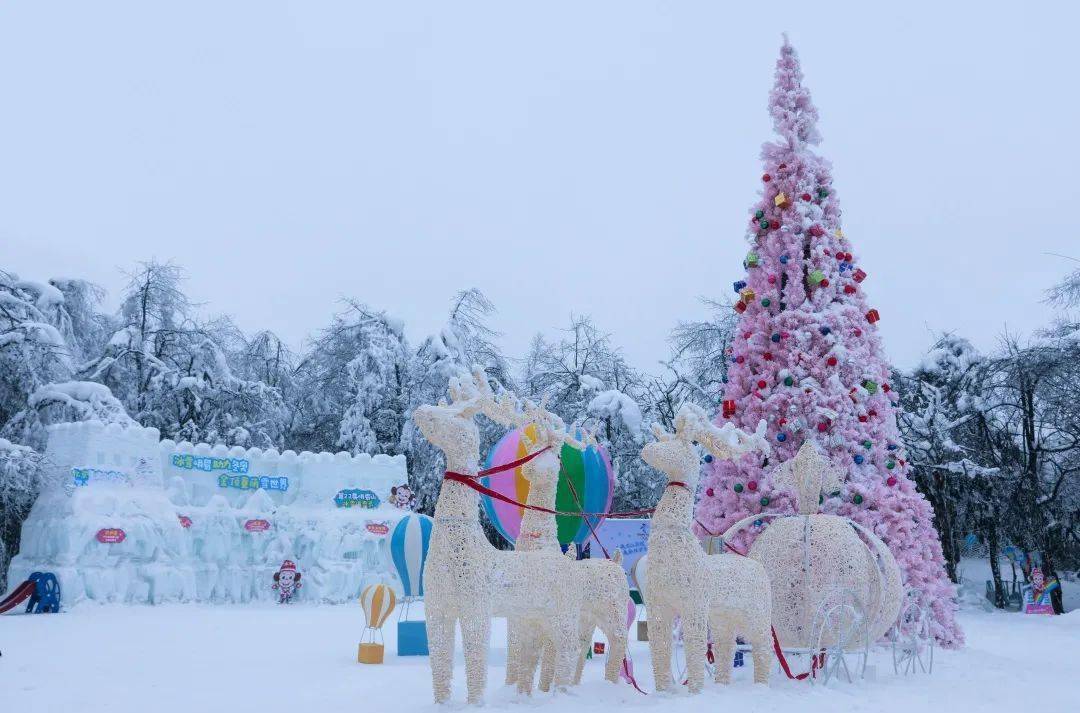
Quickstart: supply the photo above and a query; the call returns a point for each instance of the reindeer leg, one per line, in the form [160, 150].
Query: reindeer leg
[476, 639]
[762, 653]
[661, 621]
[513, 652]
[615, 631]
[547, 663]
[440, 627]
[723, 636]
[694, 643]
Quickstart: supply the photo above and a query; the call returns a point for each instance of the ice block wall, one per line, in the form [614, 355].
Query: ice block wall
[128, 517]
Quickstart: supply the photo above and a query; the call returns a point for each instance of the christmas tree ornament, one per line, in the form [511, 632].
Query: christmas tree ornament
[870, 386]
[740, 306]
[739, 285]
[766, 178]
[806, 197]
[824, 331]
[765, 302]
[781, 436]
[729, 408]
[857, 499]
[872, 316]
[758, 215]
[738, 487]
[752, 259]
[822, 193]
[767, 356]
[831, 361]
[784, 259]
[781, 201]
[789, 381]
[747, 295]
[859, 459]
[708, 458]
[891, 481]
[816, 276]
[763, 224]
[849, 289]
[824, 282]
[775, 337]
[764, 502]
[816, 230]
[859, 275]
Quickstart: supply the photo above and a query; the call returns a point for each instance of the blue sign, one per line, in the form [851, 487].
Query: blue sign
[251, 482]
[208, 464]
[83, 476]
[356, 498]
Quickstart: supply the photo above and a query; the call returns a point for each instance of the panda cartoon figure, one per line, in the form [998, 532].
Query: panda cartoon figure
[287, 581]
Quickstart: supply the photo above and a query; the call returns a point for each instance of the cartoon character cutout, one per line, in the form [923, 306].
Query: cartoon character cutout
[287, 581]
[402, 497]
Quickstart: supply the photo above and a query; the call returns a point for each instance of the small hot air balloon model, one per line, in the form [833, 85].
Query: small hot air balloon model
[409, 543]
[639, 574]
[378, 601]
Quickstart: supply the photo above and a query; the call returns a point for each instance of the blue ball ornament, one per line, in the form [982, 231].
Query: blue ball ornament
[824, 331]
[783, 259]
[775, 337]
[708, 457]
[781, 437]
[859, 459]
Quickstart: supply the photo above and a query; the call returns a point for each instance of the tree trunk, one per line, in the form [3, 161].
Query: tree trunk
[995, 571]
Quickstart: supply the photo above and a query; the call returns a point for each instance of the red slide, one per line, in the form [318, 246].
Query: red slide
[21, 593]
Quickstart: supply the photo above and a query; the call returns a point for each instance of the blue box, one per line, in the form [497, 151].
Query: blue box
[412, 638]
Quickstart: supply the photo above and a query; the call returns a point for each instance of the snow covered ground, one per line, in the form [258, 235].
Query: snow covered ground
[278, 659]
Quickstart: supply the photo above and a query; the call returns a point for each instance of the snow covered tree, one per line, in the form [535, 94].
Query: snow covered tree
[807, 360]
[33, 352]
[936, 421]
[350, 385]
[173, 372]
[465, 341]
[20, 482]
[584, 378]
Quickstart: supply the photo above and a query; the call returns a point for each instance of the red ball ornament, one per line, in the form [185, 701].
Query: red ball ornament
[766, 178]
[740, 306]
[761, 384]
[752, 486]
[848, 257]
[839, 257]
[822, 427]
[767, 356]
[825, 282]
[772, 279]
[782, 166]
[858, 332]
[740, 359]
[805, 196]
[774, 224]
[849, 289]
[831, 361]
[709, 492]
[863, 419]
[891, 481]
[886, 388]
[782, 422]
[816, 230]
[747, 335]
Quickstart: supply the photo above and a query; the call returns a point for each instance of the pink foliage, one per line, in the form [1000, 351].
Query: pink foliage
[806, 358]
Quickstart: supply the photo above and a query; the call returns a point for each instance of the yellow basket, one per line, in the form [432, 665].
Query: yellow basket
[370, 653]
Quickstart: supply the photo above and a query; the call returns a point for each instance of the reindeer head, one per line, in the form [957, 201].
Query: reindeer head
[672, 453]
[450, 427]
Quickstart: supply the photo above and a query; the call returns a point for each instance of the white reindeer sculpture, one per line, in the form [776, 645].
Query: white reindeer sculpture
[601, 581]
[728, 594]
[467, 580]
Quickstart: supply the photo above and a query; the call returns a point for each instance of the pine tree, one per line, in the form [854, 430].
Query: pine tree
[806, 358]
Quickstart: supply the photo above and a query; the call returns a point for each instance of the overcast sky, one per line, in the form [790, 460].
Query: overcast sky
[565, 157]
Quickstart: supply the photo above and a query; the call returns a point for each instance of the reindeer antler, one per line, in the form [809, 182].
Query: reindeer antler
[727, 442]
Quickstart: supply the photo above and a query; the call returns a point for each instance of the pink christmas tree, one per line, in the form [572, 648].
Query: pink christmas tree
[807, 359]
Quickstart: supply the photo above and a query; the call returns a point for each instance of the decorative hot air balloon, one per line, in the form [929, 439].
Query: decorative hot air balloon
[589, 471]
[409, 544]
[378, 601]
